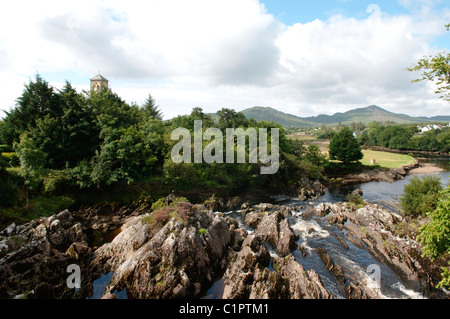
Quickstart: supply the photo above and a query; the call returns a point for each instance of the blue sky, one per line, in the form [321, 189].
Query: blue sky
[292, 11]
[300, 57]
[298, 11]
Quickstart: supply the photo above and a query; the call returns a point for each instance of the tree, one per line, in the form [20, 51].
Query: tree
[420, 195]
[38, 100]
[345, 147]
[150, 108]
[32, 160]
[436, 69]
[231, 119]
[435, 235]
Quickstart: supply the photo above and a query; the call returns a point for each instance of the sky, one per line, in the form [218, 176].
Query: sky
[300, 57]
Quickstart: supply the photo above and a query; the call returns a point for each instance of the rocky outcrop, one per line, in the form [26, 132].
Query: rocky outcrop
[334, 269]
[250, 276]
[310, 190]
[272, 225]
[178, 252]
[376, 229]
[36, 256]
[180, 260]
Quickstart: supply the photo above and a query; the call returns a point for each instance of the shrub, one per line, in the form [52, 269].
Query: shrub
[421, 195]
[356, 200]
[185, 211]
[161, 203]
[435, 235]
[182, 211]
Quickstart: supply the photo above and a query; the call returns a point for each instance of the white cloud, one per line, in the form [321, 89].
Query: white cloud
[223, 53]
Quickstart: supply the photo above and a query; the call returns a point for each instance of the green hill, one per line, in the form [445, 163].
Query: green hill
[269, 114]
[365, 115]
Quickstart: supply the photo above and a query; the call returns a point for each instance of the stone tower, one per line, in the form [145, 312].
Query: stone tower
[99, 83]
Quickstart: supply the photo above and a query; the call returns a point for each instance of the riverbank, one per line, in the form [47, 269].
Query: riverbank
[426, 168]
[369, 174]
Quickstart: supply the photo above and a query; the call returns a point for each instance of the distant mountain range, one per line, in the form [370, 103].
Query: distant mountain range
[366, 115]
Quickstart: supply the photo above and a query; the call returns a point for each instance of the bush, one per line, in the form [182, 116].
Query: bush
[435, 235]
[355, 200]
[161, 203]
[421, 195]
[182, 211]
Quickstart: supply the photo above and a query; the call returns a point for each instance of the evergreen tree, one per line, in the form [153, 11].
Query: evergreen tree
[151, 108]
[38, 100]
[345, 147]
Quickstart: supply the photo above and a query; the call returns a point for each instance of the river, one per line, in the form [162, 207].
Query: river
[315, 232]
[356, 262]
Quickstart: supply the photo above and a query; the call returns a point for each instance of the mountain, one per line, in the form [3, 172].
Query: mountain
[268, 114]
[366, 115]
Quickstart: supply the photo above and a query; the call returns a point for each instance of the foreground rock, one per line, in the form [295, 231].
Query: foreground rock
[36, 256]
[379, 230]
[180, 260]
[249, 276]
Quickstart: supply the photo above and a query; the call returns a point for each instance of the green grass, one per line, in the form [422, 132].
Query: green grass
[386, 160]
[304, 138]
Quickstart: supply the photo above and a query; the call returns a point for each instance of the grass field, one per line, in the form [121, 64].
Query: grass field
[385, 159]
[304, 138]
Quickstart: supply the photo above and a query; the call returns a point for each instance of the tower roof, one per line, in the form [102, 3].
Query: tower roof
[98, 77]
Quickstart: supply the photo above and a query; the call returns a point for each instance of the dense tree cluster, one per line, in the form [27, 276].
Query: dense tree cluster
[90, 139]
[406, 137]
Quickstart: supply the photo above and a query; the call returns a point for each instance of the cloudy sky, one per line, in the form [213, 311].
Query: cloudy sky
[301, 57]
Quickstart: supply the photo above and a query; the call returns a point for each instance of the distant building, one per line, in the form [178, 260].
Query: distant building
[99, 83]
[427, 128]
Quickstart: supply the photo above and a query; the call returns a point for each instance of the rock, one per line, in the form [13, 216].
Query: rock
[109, 295]
[78, 250]
[301, 284]
[36, 263]
[357, 192]
[266, 285]
[239, 236]
[275, 229]
[239, 277]
[334, 269]
[252, 219]
[310, 190]
[375, 229]
[286, 238]
[308, 213]
[355, 291]
[268, 228]
[175, 262]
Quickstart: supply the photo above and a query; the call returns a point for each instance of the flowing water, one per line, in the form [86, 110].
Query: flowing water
[357, 263]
